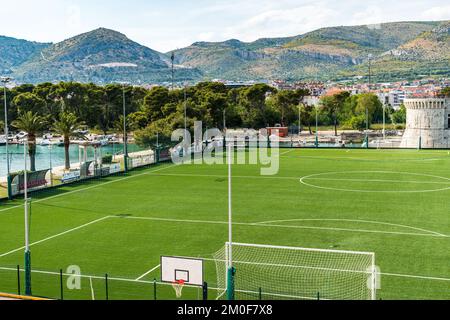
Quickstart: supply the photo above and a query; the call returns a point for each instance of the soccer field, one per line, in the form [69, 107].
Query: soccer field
[394, 203]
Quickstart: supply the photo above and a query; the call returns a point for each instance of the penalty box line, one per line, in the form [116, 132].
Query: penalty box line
[267, 225]
[91, 187]
[148, 272]
[55, 236]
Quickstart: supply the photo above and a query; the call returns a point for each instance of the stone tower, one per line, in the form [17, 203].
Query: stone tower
[427, 123]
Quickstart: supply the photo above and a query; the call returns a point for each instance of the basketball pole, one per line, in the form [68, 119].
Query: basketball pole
[231, 270]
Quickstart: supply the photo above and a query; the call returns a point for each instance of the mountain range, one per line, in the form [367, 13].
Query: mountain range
[397, 51]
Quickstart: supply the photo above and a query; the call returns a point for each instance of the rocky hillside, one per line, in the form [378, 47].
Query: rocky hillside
[426, 54]
[100, 56]
[14, 52]
[321, 54]
[399, 50]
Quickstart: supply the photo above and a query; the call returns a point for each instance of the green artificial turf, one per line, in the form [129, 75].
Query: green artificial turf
[392, 202]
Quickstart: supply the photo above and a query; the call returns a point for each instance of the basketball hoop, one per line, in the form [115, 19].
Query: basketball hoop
[178, 286]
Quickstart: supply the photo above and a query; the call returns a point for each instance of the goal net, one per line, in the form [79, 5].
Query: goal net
[272, 272]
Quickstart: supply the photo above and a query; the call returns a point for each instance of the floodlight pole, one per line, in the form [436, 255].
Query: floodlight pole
[367, 128]
[50, 147]
[224, 119]
[172, 58]
[317, 126]
[125, 138]
[231, 270]
[299, 119]
[5, 80]
[185, 121]
[367, 110]
[384, 122]
[27, 226]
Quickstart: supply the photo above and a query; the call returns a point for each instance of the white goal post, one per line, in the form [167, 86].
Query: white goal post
[275, 272]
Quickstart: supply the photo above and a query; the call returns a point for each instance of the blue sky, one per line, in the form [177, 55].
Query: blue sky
[166, 25]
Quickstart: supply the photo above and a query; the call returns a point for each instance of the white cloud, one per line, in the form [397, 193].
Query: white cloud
[372, 16]
[437, 13]
[282, 22]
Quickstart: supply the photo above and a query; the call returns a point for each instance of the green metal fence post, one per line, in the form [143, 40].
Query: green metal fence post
[18, 280]
[230, 284]
[318, 296]
[154, 289]
[205, 291]
[28, 273]
[61, 283]
[106, 287]
[260, 294]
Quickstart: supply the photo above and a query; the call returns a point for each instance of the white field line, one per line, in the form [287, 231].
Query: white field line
[259, 224]
[148, 272]
[379, 180]
[446, 182]
[358, 221]
[364, 159]
[55, 236]
[89, 188]
[286, 152]
[220, 176]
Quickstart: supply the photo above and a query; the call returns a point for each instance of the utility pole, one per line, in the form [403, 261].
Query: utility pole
[6, 80]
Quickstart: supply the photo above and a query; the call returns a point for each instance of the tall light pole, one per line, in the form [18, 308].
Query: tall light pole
[185, 120]
[384, 122]
[172, 58]
[27, 227]
[367, 110]
[229, 253]
[317, 125]
[125, 137]
[50, 147]
[299, 119]
[6, 80]
[224, 119]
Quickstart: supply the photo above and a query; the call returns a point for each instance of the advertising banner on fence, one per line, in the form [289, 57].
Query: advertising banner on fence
[115, 168]
[34, 180]
[71, 176]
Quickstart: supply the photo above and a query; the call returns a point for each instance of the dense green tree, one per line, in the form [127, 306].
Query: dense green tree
[252, 103]
[369, 102]
[155, 101]
[399, 116]
[29, 102]
[333, 105]
[138, 120]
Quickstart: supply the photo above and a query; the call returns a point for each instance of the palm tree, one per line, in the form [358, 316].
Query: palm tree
[67, 126]
[31, 123]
